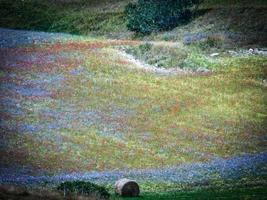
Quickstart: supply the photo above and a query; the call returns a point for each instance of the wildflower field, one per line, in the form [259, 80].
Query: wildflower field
[74, 105]
[182, 111]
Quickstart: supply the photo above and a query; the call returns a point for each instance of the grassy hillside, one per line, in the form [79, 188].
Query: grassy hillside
[229, 26]
[234, 20]
[79, 17]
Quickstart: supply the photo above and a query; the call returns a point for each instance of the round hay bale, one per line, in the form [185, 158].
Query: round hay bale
[127, 188]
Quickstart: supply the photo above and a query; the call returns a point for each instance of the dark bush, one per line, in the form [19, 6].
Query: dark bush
[147, 16]
[83, 188]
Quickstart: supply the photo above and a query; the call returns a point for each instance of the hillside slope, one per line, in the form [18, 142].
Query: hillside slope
[235, 22]
[232, 26]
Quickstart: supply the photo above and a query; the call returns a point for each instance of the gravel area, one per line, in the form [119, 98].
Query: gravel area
[235, 168]
[14, 38]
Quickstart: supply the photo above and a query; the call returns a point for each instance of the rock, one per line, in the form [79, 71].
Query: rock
[251, 50]
[127, 188]
[202, 70]
[214, 54]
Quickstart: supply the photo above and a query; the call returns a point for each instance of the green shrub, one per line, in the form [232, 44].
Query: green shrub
[145, 47]
[147, 16]
[83, 188]
[197, 60]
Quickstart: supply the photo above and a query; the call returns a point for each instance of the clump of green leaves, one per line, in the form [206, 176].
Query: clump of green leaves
[83, 188]
[147, 16]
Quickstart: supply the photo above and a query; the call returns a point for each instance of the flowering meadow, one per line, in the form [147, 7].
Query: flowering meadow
[76, 106]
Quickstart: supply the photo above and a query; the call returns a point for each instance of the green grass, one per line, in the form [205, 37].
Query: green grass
[238, 189]
[85, 23]
[218, 193]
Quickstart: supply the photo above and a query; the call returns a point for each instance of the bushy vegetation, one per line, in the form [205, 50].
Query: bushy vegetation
[164, 56]
[83, 188]
[159, 56]
[147, 16]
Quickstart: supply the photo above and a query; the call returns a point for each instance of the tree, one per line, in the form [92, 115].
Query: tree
[147, 16]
